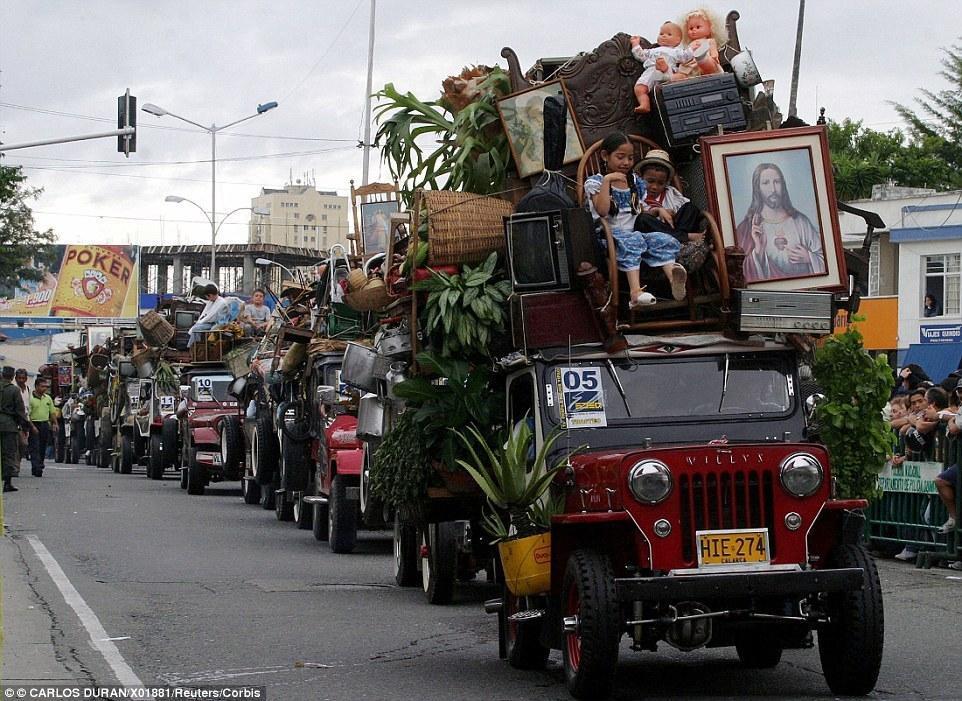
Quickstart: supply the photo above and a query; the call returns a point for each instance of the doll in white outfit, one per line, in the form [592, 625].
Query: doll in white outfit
[660, 62]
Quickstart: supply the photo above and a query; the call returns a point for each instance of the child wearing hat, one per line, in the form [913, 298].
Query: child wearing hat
[664, 208]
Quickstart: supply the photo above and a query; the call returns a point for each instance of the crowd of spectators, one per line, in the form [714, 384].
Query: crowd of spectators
[922, 414]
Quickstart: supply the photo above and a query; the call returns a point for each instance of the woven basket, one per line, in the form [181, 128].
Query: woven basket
[462, 227]
[371, 297]
[156, 329]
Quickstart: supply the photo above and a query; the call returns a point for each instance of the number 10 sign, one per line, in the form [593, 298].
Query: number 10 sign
[583, 397]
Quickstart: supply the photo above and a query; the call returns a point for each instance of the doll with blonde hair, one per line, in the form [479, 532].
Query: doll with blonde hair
[703, 33]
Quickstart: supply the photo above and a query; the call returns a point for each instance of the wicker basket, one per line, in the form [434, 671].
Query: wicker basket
[369, 298]
[156, 329]
[462, 227]
[238, 361]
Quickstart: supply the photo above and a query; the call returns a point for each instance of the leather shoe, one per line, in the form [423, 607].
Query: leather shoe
[37, 473]
[7, 487]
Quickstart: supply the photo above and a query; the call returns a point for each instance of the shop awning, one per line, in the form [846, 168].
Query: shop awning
[937, 359]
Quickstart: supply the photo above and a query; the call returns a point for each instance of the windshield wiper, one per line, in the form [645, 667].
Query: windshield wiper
[721, 402]
[614, 376]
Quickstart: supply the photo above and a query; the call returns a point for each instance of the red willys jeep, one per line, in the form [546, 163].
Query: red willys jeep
[701, 514]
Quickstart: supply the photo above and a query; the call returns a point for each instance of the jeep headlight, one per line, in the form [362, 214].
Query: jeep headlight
[801, 474]
[650, 481]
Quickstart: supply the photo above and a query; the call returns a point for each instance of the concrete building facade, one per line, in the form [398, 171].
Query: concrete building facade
[300, 217]
[918, 253]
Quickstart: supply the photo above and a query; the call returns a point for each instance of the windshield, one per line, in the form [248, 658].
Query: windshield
[597, 392]
[210, 388]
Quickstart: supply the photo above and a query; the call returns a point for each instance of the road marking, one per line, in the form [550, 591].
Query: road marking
[98, 636]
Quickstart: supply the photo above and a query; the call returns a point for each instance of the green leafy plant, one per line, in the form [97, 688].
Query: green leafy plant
[856, 388]
[469, 148]
[465, 310]
[401, 467]
[460, 394]
[511, 483]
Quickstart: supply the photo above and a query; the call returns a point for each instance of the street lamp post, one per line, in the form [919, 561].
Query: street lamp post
[177, 199]
[153, 109]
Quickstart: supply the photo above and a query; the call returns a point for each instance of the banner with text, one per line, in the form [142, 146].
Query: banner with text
[911, 477]
[79, 281]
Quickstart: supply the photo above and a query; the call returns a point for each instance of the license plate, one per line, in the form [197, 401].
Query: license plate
[732, 547]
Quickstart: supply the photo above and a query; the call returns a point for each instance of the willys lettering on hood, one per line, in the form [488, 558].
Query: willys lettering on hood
[726, 457]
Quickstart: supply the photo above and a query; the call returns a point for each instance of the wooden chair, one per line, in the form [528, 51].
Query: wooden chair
[369, 194]
[696, 300]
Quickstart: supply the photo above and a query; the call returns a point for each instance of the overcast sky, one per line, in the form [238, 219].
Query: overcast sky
[62, 65]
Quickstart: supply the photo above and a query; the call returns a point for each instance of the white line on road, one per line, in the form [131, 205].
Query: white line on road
[98, 636]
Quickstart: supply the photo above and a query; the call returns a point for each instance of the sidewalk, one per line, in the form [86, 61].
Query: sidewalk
[27, 651]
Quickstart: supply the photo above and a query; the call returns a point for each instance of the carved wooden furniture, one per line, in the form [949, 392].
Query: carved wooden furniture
[696, 301]
[600, 83]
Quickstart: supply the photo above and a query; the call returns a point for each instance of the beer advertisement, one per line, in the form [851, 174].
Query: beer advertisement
[78, 281]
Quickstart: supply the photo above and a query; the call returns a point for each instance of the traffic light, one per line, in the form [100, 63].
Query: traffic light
[127, 117]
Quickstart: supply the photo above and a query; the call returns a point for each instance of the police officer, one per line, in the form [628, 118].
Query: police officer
[13, 419]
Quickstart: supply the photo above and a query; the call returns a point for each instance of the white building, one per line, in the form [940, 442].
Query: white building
[917, 254]
[300, 216]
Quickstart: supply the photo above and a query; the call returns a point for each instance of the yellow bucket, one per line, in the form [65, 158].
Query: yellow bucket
[527, 564]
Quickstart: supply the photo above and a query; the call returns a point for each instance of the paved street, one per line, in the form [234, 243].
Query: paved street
[207, 590]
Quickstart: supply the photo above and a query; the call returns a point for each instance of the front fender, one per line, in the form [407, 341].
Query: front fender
[205, 435]
[347, 462]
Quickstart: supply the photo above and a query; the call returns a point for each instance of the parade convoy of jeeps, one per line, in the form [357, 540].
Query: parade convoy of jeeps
[694, 504]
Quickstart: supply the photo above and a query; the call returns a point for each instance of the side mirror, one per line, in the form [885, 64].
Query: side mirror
[236, 388]
[184, 391]
[326, 394]
[810, 404]
[126, 369]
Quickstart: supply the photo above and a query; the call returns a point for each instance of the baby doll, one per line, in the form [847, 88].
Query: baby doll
[660, 62]
[614, 195]
[703, 33]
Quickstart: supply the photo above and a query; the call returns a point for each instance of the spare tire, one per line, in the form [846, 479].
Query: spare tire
[168, 436]
[264, 455]
[231, 445]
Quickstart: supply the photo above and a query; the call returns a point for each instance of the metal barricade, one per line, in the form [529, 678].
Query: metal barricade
[910, 512]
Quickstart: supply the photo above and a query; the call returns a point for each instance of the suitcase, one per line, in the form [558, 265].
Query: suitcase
[552, 320]
[698, 106]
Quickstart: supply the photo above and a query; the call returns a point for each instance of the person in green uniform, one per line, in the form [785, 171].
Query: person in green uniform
[13, 419]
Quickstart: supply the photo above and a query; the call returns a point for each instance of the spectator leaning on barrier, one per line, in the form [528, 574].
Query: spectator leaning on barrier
[947, 481]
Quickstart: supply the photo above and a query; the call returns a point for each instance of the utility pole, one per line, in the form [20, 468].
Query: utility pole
[792, 109]
[367, 99]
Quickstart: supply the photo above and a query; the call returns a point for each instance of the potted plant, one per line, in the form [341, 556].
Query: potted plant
[517, 486]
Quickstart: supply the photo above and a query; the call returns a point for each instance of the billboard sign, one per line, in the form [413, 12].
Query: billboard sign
[940, 333]
[79, 281]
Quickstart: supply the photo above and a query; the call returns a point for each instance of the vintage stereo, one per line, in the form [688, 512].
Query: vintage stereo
[766, 311]
[698, 106]
[552, 320]
[545, 248]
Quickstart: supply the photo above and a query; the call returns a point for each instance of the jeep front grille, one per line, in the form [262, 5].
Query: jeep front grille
[740, 499]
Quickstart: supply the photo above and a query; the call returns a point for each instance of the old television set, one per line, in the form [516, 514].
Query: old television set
[183, 320]
[545, 248]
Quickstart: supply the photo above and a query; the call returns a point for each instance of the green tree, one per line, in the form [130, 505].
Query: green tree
[19, 239]
[937, 126]
[856, 388]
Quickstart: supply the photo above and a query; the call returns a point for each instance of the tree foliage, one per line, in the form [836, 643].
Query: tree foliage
[928, 153]
[851, 426]
[938, 123]
[20, 242]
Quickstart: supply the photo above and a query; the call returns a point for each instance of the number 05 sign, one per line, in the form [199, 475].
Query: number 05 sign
[583, 397]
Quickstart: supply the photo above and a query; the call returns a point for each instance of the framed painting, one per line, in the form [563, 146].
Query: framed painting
[522, 115]
[376, 225]
[774, 197]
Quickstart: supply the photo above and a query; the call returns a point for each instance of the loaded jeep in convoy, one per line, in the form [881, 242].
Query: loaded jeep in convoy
[211, 442]
[700, 513]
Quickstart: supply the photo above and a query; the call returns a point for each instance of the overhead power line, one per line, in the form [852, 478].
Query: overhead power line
[161, 127]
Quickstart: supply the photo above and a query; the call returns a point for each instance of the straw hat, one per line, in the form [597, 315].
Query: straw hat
[656, 157]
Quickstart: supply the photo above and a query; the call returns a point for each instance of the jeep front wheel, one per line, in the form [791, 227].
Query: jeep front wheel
[850, 644]
[592, 627]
